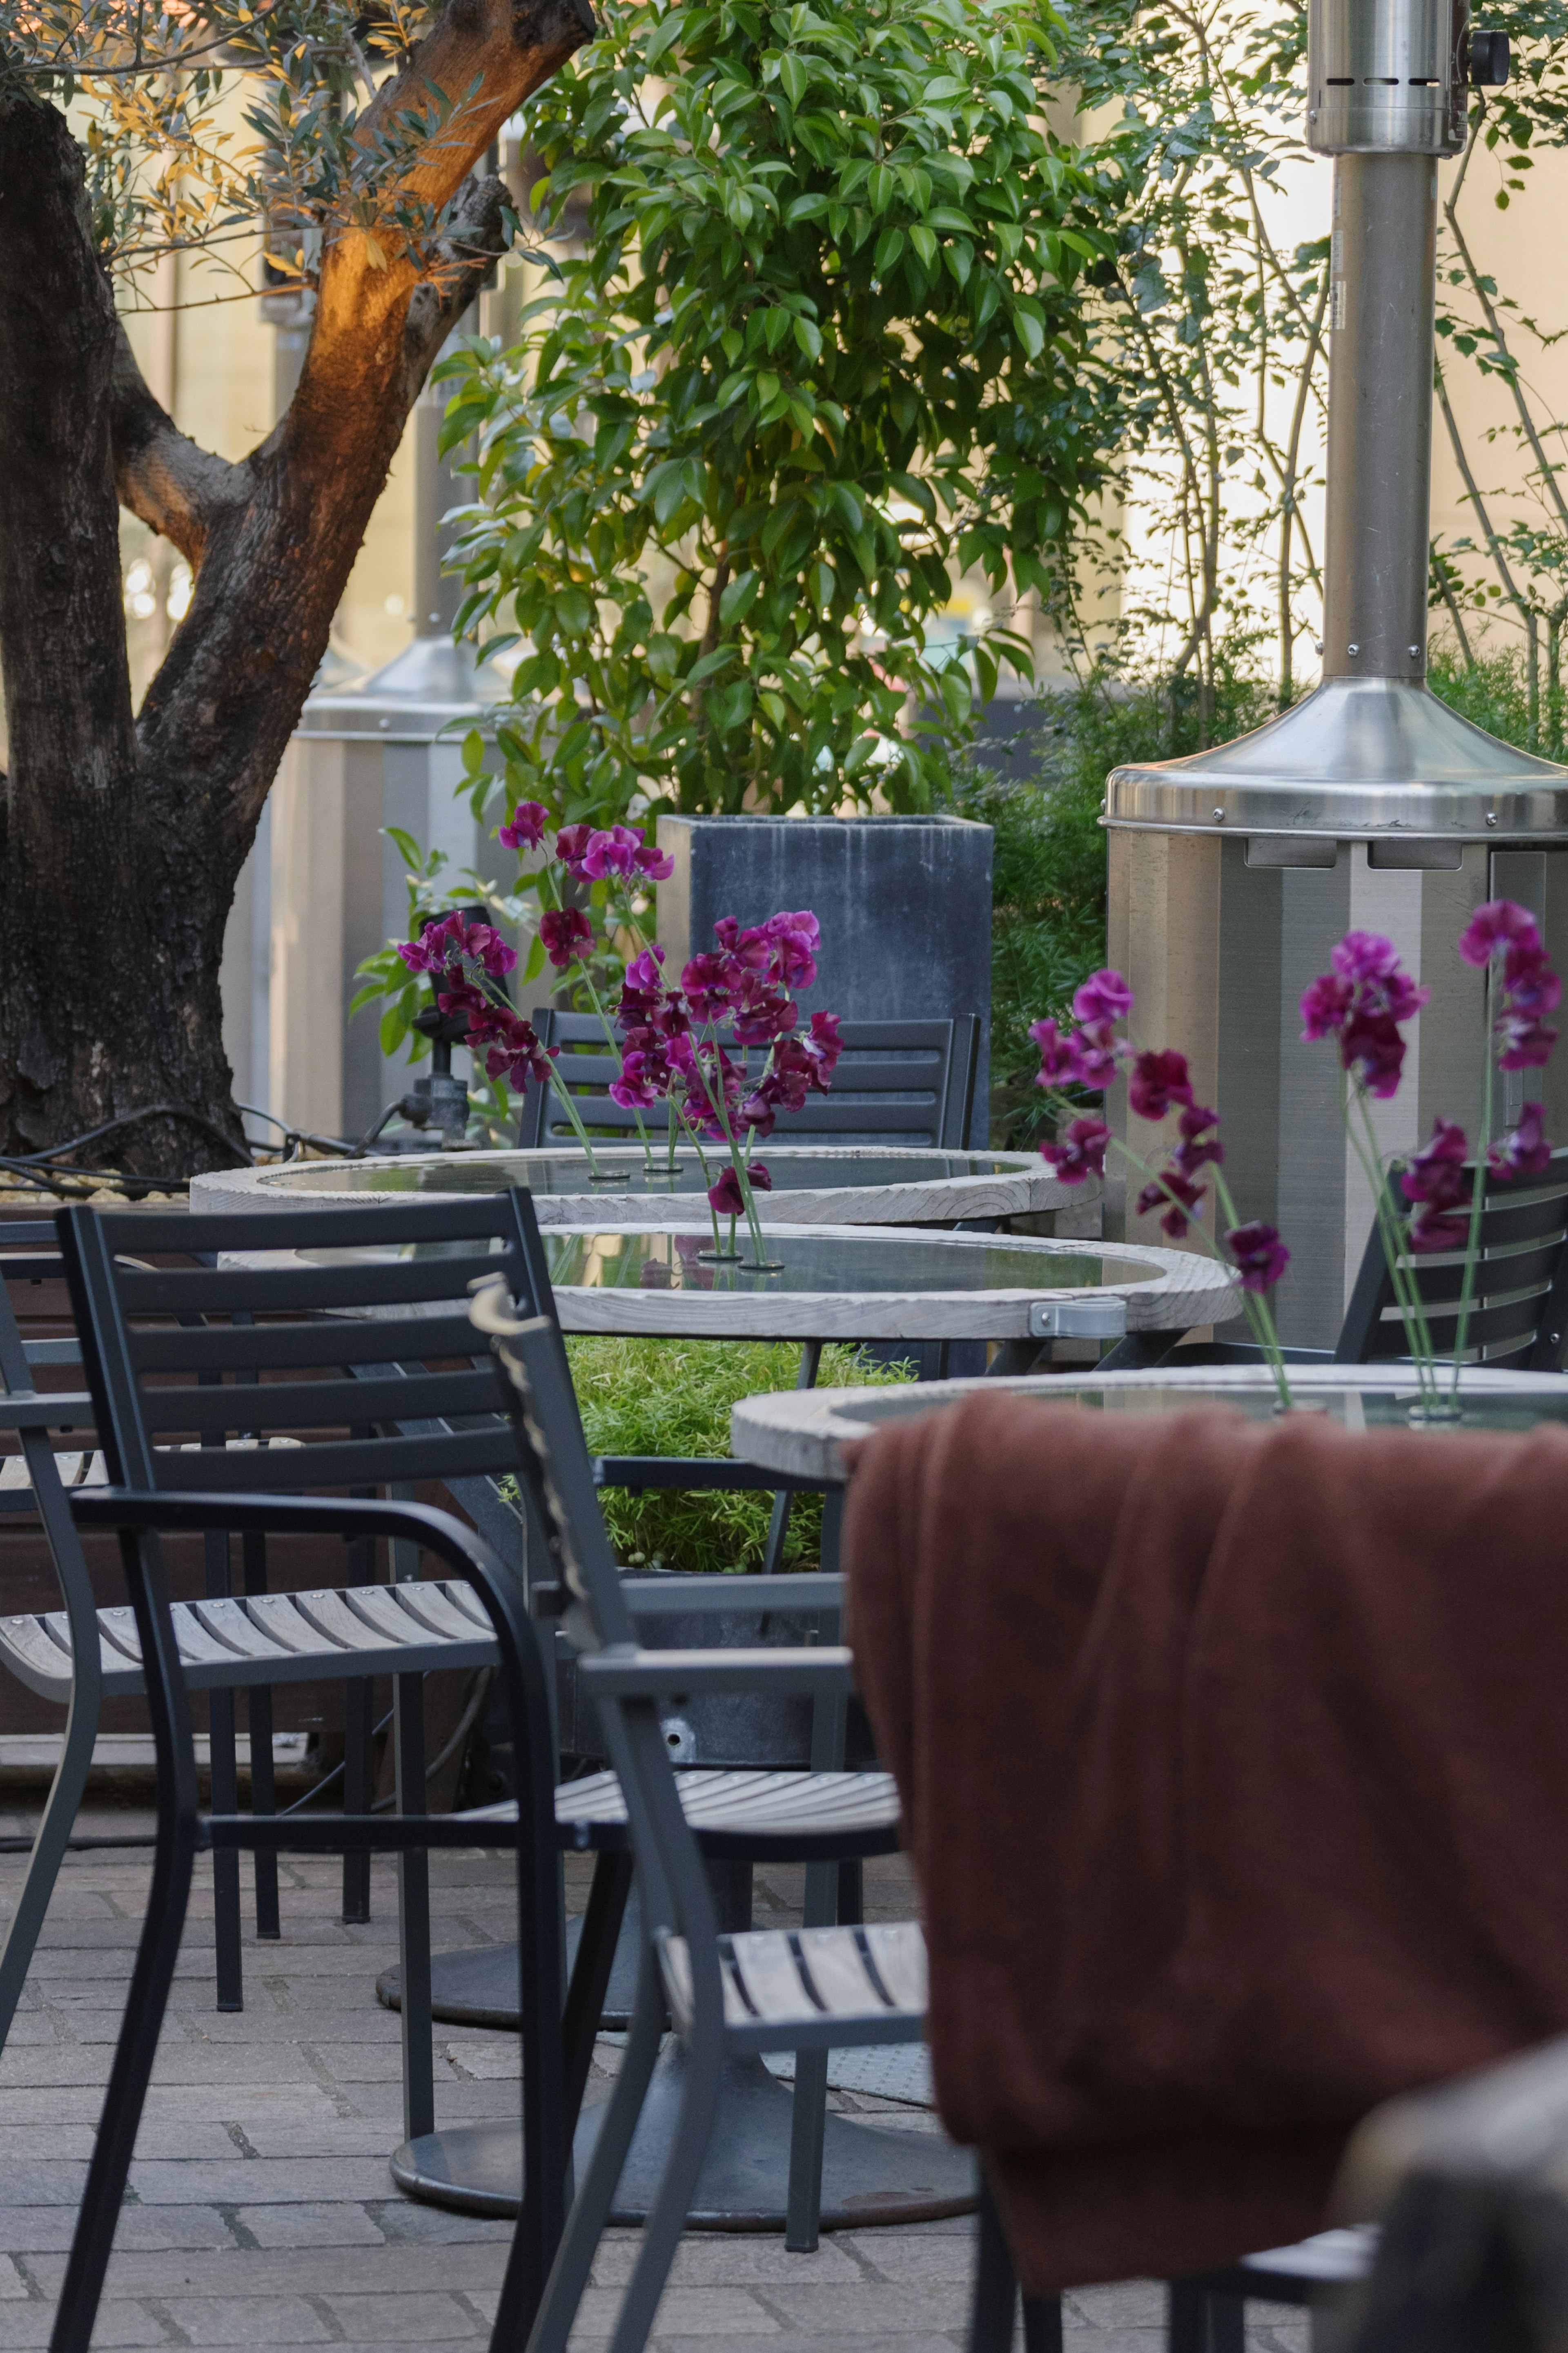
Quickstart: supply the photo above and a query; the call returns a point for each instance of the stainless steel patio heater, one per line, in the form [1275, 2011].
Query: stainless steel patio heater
[1369, 804]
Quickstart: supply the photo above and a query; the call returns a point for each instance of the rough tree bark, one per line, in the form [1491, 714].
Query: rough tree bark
[122, 839]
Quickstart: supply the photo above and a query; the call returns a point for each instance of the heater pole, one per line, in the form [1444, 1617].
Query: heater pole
[1380, 416]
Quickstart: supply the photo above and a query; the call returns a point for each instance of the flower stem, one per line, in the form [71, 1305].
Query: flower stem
[1406, 1292]
[1258, 1314]
[1473, 1237]
[565, 1094]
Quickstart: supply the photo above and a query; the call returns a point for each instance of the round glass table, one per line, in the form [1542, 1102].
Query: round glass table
[821, 1184]
[803, 1434]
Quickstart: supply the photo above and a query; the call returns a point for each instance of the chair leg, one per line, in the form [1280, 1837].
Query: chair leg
[414, 1914]
[808, 2115]
[157, 1951]
[597, 2191]
[263, 1785]
[996, 2301]
[1198, 2321]
[44, 1862]
[591, 1977]
[359, 1719]
[778, 1526]
[225, 1800]
[671, 2200]
[1042, 2323]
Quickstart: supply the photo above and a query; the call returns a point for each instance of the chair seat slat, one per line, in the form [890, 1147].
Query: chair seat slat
[899, 1950]
[293, 1345]
[360, 1463]
[837, 1967]
[766, 1969]
[281, 1290]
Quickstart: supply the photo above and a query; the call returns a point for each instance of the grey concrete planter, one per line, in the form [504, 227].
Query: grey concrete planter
[904, 903]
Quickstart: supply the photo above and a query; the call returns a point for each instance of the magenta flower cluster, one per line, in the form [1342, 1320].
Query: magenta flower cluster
[1361, 1003]
[589, 853]
[1158, 1083]
[460, 958]
[672, 1048]
[1527, 988]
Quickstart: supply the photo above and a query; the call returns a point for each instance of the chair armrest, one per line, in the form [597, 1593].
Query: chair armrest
[33, 1409]
[654, 1597]
[438, 1532]
[657, 1675]
[697, 1474]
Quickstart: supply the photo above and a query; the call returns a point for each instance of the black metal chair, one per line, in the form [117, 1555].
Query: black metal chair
[156, 1379]
[386, 1348]
[898, 1082]
[822, 1987]
[1519, 1316]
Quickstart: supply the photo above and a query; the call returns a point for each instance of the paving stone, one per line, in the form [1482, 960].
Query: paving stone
[257, 2181]
[248, 2320]
[309, 2226]
[26, 2324]
[404, 2319]
[872, 2307]
[1127, 2303]
[727, 2259]
[32, 2231]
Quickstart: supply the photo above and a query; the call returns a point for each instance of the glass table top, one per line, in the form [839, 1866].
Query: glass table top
[1382, 1400]
[859, 1261]
[793, 1169]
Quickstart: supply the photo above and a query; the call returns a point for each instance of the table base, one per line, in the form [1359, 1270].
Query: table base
[479, 1987]
[868, 2177]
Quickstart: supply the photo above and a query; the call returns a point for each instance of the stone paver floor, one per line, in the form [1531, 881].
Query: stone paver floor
[261, 2212]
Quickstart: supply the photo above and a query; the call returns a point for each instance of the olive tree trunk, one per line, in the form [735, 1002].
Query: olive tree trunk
[122, 835]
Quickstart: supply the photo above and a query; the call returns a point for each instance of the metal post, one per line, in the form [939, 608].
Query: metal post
[1380, 417]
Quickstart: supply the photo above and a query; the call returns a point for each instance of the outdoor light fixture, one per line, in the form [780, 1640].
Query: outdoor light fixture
[1370, 805]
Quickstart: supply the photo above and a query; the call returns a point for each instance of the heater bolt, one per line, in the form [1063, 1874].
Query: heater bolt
[1352, 650]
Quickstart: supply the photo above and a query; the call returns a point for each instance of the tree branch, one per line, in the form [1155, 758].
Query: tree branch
[174, 485]
[476, 238]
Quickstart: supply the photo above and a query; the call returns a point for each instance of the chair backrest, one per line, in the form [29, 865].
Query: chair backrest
[29, 1252]
[344, 1332]
[556, 1477]
[897, 1083]
[1519, 1316]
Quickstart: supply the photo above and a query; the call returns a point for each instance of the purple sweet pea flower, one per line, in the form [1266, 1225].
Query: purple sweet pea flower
[1325, 1006]
[1525, 1153]
[1258, 1250]
[824, 1046]
[1158, 1081]
[567, 936]
[1197, 1147]
[1103, 997]
[1499, 923]
[1055, 1054]
[657, 864]
[1364, 956]
[1082, 1154]
[1438, 1182]
[612, 851]
[1177, 1196]
[571, 846]
[709, 983]
[448, 940]
[1362, 1002]
[726, 1197]
[1431, 1174]
[1096, 1053]
[524, 829]
[793, 941]
[515, 1053]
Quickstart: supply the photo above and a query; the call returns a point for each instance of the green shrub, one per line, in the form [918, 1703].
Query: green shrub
[673, 1397]
[1495, 694]
[1048, 891]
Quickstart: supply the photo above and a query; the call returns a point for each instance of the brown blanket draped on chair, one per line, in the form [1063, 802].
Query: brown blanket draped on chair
[1235, 1768]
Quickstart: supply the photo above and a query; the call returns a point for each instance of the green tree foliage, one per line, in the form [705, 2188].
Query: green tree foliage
[827, 338]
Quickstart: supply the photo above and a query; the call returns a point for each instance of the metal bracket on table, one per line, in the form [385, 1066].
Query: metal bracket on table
[1075, 1319]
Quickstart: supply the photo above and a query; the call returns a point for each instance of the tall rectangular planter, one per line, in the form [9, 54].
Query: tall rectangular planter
[904, 903]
